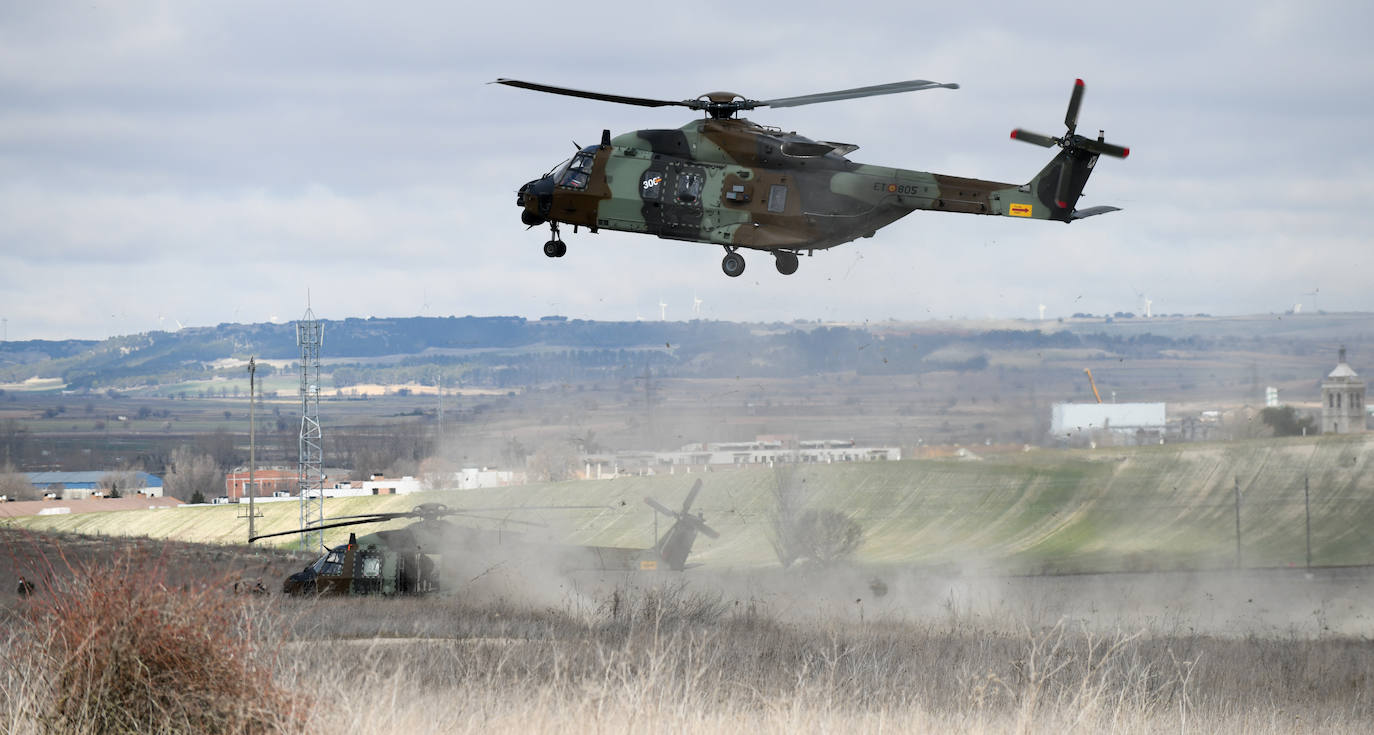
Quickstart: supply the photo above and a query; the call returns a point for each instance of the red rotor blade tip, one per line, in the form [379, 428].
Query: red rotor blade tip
[1013, 135]
[1078, 82]
[1125, 152]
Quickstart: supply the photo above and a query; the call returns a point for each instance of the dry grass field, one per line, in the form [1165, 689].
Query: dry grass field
[116, 646]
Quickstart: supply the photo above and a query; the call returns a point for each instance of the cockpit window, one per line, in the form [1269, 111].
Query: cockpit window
[578, 172]
[331, 563]
[651, 185]
[689, 187]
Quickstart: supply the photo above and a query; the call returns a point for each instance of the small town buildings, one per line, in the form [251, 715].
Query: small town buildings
[270, 481]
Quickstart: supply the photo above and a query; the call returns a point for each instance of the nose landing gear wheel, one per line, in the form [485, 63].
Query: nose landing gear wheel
[786, 263]
[555, 248]
[733, 264]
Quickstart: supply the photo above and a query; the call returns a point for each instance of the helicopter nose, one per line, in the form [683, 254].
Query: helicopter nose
[535, 198]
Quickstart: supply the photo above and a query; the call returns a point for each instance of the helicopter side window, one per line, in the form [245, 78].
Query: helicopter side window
[372, 566]
[651, 185]
[689, 188]
[578, 172]
[777, 198]
[329, 564]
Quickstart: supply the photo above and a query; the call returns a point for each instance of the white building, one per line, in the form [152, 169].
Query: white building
[758, 452]
[1127, 422]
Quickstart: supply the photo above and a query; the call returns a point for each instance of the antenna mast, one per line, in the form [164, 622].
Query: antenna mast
[252, 443]
[310, 338]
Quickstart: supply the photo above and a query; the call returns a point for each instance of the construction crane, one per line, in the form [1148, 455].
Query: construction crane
[1092, 383]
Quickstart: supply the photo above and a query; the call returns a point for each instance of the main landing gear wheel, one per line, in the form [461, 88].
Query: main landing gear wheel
[555, 248]
[786, 262]
[733, 264]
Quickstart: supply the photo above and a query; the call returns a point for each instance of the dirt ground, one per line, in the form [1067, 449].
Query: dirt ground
[43, 558]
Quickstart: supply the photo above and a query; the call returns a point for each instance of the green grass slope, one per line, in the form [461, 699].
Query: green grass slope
[1151, 508]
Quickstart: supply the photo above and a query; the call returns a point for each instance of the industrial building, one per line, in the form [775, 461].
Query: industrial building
[764, 450]
[82, 485]
[1122, 423]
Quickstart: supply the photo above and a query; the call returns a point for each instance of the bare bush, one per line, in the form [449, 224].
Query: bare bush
[667, 660]
[119, 651]
[15, 486]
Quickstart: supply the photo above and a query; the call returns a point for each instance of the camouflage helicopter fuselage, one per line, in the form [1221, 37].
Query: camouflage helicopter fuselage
[738, 184]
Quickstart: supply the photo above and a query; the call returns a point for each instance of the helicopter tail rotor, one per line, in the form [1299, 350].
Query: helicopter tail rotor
[1071, 168]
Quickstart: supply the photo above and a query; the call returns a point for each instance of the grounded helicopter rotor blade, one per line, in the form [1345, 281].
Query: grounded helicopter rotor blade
[1061, 190]
[661, 508]
[639, 101]
[1106, 149]
[1033, 138]
[312, 529]
[914, 85]
[1071, 117]
[499, 519]
[691, 496]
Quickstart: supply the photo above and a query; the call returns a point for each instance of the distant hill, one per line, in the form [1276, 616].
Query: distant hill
[506, 351]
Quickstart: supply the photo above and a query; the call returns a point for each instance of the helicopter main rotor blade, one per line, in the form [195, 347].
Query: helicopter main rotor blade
[914, 85]
[499, 519]
[312, 529]
[621, 99]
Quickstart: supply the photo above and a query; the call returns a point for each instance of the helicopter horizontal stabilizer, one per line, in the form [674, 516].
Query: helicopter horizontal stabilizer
[1093, 211]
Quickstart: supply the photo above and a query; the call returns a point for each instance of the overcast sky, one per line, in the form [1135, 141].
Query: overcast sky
[197, 163]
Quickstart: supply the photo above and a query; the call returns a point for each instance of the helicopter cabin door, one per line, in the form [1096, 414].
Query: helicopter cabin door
[671, 192]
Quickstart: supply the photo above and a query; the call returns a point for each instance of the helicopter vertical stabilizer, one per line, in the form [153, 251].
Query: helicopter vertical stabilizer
[674, 546]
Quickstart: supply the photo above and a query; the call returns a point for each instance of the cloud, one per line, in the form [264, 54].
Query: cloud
[218, 159]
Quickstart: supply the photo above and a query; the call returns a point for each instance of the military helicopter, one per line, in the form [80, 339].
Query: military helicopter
[435, 555]
[741, 185]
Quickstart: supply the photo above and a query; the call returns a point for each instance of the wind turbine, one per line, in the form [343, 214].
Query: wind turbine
[696, 305]
[1042, 312]
[662, 311]
[1147, 308]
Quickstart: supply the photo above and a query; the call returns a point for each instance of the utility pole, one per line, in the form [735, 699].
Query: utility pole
[1307, 513]
[1238, 556]
[252, 443]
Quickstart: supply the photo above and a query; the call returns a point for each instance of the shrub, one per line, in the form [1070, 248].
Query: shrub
[120, 650]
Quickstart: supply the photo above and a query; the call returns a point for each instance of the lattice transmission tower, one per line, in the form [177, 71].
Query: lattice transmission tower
[310, 338]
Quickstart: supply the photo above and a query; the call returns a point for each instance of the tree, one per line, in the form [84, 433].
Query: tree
[823, 536]
[220, 446]
[191, 473]
[552, 463]
[828, 536]
[197, 498]
[14, 485]
[1284, 421]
